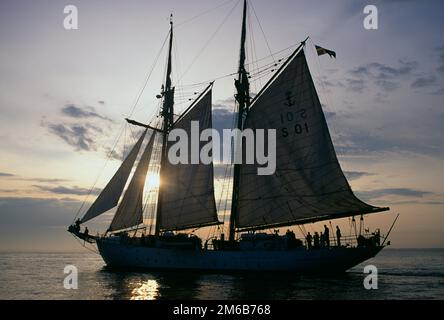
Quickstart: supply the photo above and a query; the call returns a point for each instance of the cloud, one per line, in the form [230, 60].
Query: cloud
[5, 174]
[400, 192]
[357, 85]
[116, 154]
[68, 190]
[39, 224]
[73, 111]
[439, 91]
[402, 202]
[422, 82]
[440, 51]
[358, 139]
[83, 131]
[36, 211]
[222, 171]
[328, 114]
[381, 71]
[354, 175]
[230, 101]
[16, 191]
[223, 117]
[332, 84]
[385, 77]
[76, 135]
[387, 85]
[45, 180]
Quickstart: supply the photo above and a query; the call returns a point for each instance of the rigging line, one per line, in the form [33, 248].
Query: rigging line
[149, 75]
[109, 156]
[252, 45]
[208, 81]
[209, 40]
[177, 70]
[84, 245]
[259, 77]
[259, 70]
[268, 66]
[246, 64]
[203, 13]
[277, 52]
[302, 231]
[262, 30]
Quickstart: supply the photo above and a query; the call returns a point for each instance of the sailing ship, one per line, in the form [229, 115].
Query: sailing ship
[308, 186]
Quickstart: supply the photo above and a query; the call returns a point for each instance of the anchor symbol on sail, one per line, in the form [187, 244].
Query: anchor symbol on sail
[289, 102]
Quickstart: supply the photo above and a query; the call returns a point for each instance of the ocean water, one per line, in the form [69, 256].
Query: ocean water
[402, 274]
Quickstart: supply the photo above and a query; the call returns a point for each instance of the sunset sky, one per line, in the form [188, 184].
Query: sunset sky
[64, 95]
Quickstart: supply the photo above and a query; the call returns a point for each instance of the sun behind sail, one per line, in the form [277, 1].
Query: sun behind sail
[308, 184]
[130, 210]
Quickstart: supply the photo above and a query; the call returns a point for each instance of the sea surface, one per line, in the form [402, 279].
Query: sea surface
[402, 274]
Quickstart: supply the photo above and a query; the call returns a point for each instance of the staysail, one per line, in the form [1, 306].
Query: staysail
[110, 195]
[188, 190]
[130, 210]
[308, 184]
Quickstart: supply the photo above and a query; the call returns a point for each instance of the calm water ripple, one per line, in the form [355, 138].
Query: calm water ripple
[403, 274]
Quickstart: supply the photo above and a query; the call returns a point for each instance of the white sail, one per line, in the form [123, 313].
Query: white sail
[110, 195]
[130, 210]
[308, 184]
[187, 189]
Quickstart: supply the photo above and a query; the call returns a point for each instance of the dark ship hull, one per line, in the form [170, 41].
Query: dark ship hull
[118, 254]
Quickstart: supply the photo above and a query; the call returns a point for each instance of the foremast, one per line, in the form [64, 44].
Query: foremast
[243, 98]
[167, 113]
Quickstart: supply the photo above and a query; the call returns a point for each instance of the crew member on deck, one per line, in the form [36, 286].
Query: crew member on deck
[86, 232]
[316, 240]
[77, 226]
[309, 238]
[326, 236]
[377, 237]
[338, 235]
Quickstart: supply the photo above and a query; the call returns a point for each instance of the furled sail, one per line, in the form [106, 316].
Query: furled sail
[308, 184]
[110, 195]
[187, 189]
[130, 210]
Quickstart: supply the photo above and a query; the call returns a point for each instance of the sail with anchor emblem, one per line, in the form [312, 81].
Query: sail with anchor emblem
[308, 184]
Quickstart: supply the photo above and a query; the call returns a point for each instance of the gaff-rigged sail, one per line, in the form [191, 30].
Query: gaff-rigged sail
[308, 184]
[110, 195]
[130, 210]
[188, 190]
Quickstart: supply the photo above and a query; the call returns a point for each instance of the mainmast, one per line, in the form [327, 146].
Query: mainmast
[243, 99]
[167, 114]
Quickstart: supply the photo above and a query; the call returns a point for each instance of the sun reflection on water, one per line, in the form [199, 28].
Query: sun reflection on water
[148, 290]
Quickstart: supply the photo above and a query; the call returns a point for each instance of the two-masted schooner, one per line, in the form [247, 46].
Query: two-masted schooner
[307, 186]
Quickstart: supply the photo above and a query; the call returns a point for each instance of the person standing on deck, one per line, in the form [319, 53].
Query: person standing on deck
[338, 235]
[309, 238]
[316, 240]
[326, 236]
